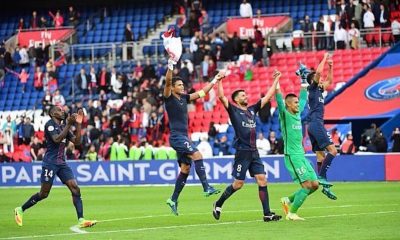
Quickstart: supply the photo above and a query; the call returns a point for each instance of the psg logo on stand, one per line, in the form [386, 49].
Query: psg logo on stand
[384, 90]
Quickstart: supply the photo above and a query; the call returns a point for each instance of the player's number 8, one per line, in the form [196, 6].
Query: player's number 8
[239, 168]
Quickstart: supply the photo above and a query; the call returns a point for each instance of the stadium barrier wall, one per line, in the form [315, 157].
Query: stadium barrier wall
[374, 167]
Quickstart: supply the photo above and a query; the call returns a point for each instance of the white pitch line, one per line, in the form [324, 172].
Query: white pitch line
[241, 211]
[191, 225]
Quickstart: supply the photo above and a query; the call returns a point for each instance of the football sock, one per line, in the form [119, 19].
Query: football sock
[32, 201]
[326, 164]
[179, 184]
[299, 199]
[227, 193]
[77, 200]
[264, 198]
[201, 173]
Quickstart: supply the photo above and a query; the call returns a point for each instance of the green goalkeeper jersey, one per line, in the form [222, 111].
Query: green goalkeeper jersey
[291, 127]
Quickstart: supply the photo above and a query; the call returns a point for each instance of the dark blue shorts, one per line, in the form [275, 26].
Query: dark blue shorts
[247, 160]
[49, 172]
[183, 147]
[319, 137]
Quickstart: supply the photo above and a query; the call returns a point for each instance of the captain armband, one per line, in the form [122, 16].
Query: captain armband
[201, 93]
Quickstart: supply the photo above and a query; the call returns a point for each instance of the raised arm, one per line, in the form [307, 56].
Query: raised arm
[278, 94]
[271, 91]
[221, 96]
[320, 68]
[76, 139]
[303, 98]
[329, 78]
[168, 79]
[207, 88]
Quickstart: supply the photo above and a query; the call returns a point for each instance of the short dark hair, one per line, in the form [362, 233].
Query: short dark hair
[235, 93]
[290, 95]
[310, 77]
[52, 109]
[175, 79]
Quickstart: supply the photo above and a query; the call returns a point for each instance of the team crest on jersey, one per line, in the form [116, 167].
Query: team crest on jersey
[50, 128]
[252, 112]
[384, 90]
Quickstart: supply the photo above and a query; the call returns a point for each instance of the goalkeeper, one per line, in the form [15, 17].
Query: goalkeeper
[298, 166]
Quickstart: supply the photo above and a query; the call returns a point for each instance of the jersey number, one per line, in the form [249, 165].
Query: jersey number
[187, 144]
[301, 170]
[48, 173]
[239, 168]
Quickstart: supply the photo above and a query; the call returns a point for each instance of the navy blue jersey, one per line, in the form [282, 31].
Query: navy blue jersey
[55, 152]
[244, 123]
[177, 113]
[315, 103]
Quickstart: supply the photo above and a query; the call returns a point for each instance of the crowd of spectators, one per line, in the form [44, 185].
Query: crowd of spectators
[351, 17]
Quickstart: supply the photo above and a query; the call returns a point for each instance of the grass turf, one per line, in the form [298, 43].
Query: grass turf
[367, 210]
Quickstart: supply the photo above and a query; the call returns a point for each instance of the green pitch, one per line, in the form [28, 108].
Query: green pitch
[363, 211]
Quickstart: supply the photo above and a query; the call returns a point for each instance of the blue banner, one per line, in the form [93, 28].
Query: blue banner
[344, 168]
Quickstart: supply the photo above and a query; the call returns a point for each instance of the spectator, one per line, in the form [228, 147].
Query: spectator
[51, 68]
[340, 37]
[70, 152]
[205, 148]
[335, 138]
[28, 131]
[210, 100]
[58, 20]
[23, 77]
[204, 21]
[58, 99]
[21, 24]
[103, 79]
[379, 141]
[47, 101]
[36, 149]
[8, 143]
[117, 87]
[38, 79]
[129, 37]
[396, 29]
[222, 145]
[212, 131]
[263, 145]
[307, 28]
[43, 22]
[34, 22]
[82, 80]
[347, 146]
[9, 124]
[357, 13]
[384, 16]
[275, 143]
[321, 41]
[193, 23]
[246, 9]
[368, 18]
[20, 130]
[91, 155]
[52, 84]
[194, 42]
[24, 61]
[93, 81]
[73, 17]
[354, 36]
[396, 140]
[148, 70]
